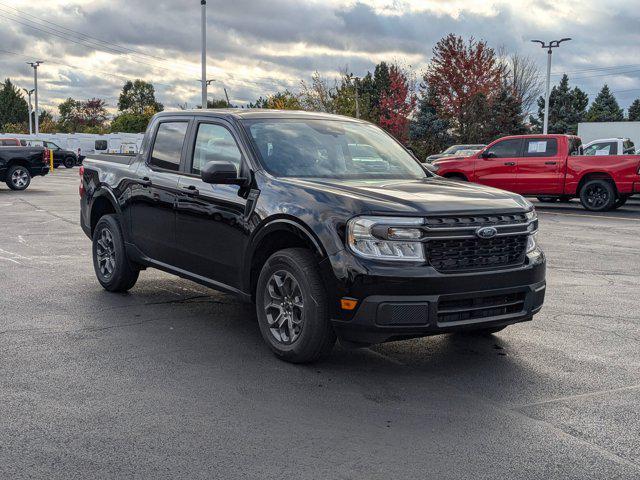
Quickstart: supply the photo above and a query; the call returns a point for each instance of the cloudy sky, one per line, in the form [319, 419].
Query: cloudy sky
[256, 47]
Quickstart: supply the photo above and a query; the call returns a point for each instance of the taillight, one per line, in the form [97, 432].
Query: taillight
[81, 187]
[45, 155]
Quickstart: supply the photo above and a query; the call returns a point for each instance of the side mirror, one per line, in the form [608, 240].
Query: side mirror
[486, 154]
[221, 172]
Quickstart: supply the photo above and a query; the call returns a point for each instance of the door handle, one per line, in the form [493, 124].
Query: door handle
[146, 182]
[190, 190]
[510, 164]
[550, 163]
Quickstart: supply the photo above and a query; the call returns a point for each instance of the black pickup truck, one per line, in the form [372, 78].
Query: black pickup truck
[285, 210]
[19, 164]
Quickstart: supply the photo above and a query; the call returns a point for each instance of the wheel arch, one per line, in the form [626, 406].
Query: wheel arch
[277, 234]
[103, 203]
[596, 175]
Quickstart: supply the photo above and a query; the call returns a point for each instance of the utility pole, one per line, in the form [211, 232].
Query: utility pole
[29, 93]
[35, 66]
[549, 46]
[203, 8]
[227, 96]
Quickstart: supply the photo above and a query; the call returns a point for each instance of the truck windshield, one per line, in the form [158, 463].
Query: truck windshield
[330, 149]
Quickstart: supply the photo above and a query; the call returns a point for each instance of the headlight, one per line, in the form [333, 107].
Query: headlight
[386, 238]
[531, 215]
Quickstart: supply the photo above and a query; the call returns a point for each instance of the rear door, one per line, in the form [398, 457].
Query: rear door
[154, 194]
[540, 170]
[498, 165]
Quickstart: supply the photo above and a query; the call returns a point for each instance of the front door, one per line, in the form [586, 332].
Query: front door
[153, 194]
[540, 170]
[211, 231]
[498, 166]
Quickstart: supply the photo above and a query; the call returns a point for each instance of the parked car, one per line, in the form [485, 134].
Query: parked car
[610, 146]
[274, 207]
[60, 156]
[549, 167]
[19, 164]
[9, 142]
[454, 150]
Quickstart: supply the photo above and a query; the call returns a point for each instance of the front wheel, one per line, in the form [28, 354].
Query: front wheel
[291, 305]
[110, 262]
[69, 162]
[598, 195]
[18, 178]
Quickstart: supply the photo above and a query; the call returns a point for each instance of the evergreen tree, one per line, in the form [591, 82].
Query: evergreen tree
[13, 106]
[634, 111]
[505, 116]
[567, 107]
[605, 108]
[428, 133]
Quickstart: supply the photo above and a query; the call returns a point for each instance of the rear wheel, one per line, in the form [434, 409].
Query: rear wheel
[457, 178]
[69, 162]
[291, 305]
[110, 262]
[598, 195]
[18, 177]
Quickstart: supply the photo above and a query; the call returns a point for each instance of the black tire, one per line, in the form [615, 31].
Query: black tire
[457, 178]
[18, 178]
[620, 201]
[564, 199]
[110, 262]
[312, 337]
[69, 162]
[598, 195]
[547, 199]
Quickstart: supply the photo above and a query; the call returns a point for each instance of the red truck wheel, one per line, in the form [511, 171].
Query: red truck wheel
[598, 195]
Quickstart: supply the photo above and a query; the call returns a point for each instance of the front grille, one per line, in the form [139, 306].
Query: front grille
[476, 220]
[480, 307]
[454, 255]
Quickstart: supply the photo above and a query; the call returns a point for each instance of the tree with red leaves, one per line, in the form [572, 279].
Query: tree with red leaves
[459, 73]
[397, 103]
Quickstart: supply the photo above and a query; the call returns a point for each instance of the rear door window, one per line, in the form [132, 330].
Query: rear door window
[540, 147]
[167, 147]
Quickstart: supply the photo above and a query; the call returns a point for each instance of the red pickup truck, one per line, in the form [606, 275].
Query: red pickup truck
[549, 167]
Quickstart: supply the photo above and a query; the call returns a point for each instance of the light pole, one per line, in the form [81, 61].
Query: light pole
[203, 9]
[549, 46]
[35, 66]
[29, 93]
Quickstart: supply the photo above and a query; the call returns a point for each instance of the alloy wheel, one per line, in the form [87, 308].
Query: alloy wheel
[106, 253]
[20, 178]
[284, 307]
[596, 196]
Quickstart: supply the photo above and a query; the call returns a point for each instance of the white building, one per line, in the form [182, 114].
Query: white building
[88, 143]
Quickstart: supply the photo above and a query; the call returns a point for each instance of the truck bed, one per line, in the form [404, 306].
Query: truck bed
[122, 159]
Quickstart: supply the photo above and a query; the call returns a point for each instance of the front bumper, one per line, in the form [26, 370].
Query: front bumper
[407, 303]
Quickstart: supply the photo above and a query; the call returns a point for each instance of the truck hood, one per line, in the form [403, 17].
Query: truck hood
[434, 195]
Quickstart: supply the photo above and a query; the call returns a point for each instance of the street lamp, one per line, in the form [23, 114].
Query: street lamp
[549, 46]
[29, 93]
[35, 66]
[203, 12]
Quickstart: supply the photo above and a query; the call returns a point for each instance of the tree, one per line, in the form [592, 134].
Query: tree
[605, 108]
[567, 107]
[94, 113]
[318, 96]
[505, 116]
[219, 103]
[522, 78]
[428, 133]
[13, 106]
[463, 75]
[87, 116]
[21, 127]
[128, 122]
[138, 96]
[284, 100]
[70, 115]
[396, 104]
[634, 111]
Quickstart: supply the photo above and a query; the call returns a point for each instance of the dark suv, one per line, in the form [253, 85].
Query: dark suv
[327, 223]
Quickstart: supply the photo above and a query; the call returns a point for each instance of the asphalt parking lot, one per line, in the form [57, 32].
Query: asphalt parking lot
[173, 380]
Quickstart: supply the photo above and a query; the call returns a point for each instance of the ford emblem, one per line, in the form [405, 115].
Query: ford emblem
[486, 232]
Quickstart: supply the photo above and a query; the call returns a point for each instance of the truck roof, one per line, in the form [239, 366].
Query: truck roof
[239, 113]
